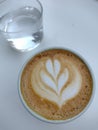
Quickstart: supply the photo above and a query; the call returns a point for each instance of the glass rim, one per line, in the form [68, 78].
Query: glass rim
[41, 118]
[8, 33]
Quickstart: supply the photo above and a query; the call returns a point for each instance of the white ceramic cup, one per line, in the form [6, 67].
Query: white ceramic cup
[57, 121]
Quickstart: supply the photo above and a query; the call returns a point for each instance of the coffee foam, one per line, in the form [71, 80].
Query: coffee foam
[56, 84]
[54, 81]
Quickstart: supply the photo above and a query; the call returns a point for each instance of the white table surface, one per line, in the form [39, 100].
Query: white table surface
[71, 24]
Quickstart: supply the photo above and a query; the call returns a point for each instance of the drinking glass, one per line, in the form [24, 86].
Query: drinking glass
[21, 23]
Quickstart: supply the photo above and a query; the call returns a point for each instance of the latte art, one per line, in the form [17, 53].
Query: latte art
[54, 81]
[56, 84]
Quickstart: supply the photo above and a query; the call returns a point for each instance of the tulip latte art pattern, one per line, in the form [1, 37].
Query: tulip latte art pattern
[54, 81]
[56, 84]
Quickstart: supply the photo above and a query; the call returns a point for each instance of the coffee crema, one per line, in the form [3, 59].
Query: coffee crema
[56, 84]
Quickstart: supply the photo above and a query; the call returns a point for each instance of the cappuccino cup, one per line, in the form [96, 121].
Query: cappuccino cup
[56, 85]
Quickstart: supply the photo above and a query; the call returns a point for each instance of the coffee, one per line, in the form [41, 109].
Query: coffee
[56, 84]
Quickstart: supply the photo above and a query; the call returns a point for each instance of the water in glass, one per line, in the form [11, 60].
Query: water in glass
[23, 28]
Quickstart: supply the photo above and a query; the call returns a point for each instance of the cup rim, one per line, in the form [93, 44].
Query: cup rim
[41, 14]
[39, 117]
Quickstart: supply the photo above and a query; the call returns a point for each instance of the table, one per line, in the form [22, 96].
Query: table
[71, 24]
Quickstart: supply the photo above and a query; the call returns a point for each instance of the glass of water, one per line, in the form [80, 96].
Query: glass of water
[21, 23]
